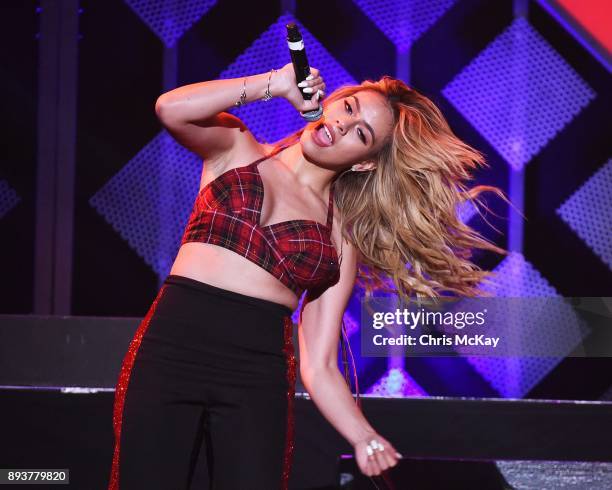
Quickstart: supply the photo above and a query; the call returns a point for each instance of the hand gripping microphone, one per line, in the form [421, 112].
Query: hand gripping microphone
[301, 66]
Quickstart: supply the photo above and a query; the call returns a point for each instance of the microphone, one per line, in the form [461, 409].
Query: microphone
[301, 67]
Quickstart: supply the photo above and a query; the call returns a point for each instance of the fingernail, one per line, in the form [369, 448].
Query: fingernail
[302, 83]
[308, 90]
[399, 455]
[309, 77]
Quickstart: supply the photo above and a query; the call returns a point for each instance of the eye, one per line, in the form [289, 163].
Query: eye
[349, 109]
[361, 136]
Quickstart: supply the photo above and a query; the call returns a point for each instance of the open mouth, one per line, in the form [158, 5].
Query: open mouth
[324, 134]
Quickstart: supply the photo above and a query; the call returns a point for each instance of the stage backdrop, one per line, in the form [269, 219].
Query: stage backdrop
[525, 82]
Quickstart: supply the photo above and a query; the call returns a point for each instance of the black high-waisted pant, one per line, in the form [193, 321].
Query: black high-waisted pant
[207, 370]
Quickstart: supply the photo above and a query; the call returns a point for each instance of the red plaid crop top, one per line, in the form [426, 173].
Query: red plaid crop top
[298, 252]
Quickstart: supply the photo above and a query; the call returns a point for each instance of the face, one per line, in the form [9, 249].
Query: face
[358, 126]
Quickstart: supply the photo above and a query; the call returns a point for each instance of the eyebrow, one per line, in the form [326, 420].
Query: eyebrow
[366, 124]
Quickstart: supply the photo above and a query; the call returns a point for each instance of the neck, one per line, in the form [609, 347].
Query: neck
[307, 172]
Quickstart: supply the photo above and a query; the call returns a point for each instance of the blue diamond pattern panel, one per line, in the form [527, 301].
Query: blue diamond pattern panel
[466, 211]
[401, 21]
[8, 198]
[148, 201]
[515, 277]
[396, 383]
[170, 19]
[589, 213]
[351, 324]
[519, 93]
[271, 120]
[515, 377]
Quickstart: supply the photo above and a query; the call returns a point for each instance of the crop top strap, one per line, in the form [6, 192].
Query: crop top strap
[276, 151]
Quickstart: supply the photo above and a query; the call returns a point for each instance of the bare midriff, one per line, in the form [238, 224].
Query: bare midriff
[223, 268]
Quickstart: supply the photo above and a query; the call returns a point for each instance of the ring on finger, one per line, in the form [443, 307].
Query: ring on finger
[376, 446]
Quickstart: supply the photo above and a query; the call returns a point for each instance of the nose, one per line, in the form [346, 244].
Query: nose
[340, 126]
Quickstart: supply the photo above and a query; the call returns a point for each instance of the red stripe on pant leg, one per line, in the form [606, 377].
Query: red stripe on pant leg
[290, 356]
[120, 390]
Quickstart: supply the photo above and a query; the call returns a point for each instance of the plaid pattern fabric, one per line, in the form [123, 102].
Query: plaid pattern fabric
[299, 253]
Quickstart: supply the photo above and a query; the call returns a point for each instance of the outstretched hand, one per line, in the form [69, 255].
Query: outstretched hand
[375, 457]
[287, 87]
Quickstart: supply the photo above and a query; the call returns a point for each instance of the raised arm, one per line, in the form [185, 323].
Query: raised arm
[195, 114]
[318, 334]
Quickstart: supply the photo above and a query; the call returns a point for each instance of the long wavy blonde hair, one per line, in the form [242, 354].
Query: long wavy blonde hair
[402, 217]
